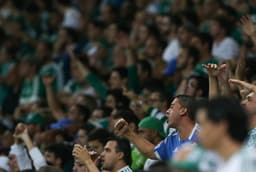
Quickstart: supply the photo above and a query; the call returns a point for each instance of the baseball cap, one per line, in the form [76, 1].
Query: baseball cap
[35, 118]
[153, 123]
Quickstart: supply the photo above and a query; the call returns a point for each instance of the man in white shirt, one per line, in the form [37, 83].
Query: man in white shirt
[224, 128]
[224, 47]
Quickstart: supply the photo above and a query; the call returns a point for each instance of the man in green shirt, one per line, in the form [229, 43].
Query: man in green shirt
[31, 89]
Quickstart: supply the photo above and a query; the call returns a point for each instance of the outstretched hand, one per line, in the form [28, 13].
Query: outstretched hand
[21, 132]
[81, 153]
[213, 69]
[247, 25]
[243, 84]
[121, 128]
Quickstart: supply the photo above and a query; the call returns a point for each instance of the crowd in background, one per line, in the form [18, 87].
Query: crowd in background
[127, 85]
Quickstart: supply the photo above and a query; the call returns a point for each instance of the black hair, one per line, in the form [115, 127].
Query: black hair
[187, 102]
[176, 20]
[122, 71]
[84, 111]
[32, 8]
[88, 101]
[150, 84]
[106, 111]
[71, 33]
[223, 23]
[99, 134]
[199, 103]
[202, 83]
[192, 52]
[128, 115]
[190, 17]
[145, 66]
[49, 169]
[160, 166]
[61, 151]
[230, 11]
[97, 23]
[64, 2]
[230, 111]
[46, 43]
[123, 145]
[121, 100]
[205, 38]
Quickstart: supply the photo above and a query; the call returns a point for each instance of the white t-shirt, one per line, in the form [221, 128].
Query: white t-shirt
[242, 161]
[171, 51]
[72, 18]
[225, 50]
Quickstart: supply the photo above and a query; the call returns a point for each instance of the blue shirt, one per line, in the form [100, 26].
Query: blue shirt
[61, 123]
[167, 147]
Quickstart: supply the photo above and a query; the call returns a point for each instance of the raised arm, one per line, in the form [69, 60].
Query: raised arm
[241, 64]
[89, 77]
[55, 107]
[213, 72]
[248, 27]
[144, 146]
[133, 78]
[35, 154]
[224, 74]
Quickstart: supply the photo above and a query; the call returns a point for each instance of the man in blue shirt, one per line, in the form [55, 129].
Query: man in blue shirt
[180, 117]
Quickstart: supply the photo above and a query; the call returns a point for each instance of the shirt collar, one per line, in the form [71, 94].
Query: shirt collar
[195, 129]
[125, 169]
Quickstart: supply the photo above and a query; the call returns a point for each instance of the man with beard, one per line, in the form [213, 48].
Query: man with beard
[59, 155]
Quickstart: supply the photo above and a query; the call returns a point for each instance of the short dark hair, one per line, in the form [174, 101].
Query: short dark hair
[192, 52]
[64, 2]
[187, 102]
[49, 169]
[128, 115]
[99, 134]
[199, 103]
[145, 66]
[205, 38]
[84, 111]
[150, 84]
[62, 151]
[123, 145]
[121, 100]
[229, 110]
[202, 83]
[223, 23]
[72, 33]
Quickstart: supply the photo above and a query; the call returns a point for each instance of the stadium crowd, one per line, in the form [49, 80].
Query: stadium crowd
[127, 85]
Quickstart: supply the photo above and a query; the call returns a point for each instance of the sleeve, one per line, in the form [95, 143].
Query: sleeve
[37, 158]
[97, 85]
[231, 50]
[133, 80]
[161, 150]
[23, 160]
